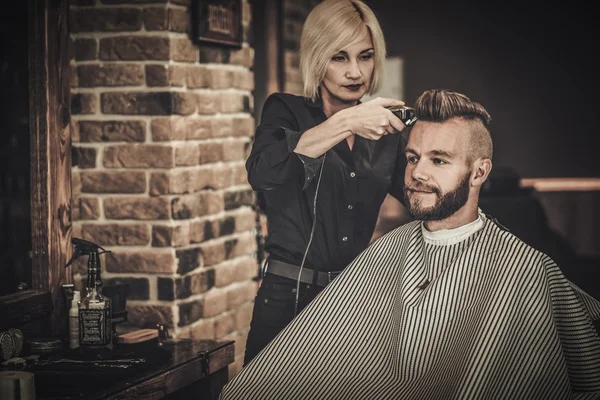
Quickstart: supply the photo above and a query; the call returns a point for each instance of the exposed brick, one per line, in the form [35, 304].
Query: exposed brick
[112, 131]
[224, 324]
[215, 302]
[89, 208]
[243, 56]
[131, 48]
[239, 175]
[243, 79]
[204, 128]
[201, 231]
[226, 225]
[85, 49]
[181, 288]
[196, 205]
[113, 182]
[160, 183]
[191, 312]
[147, 262]
[74, 126]
[202, 281]
[73, 81]
[137, 103]
[117, 234]
[139, 288]
[84, 103]
[166, 129]
[105, 20]
[138, 156]
[147, 316]
[244, 244]
[237, 270]
[221, 176]
[188, 154]
[189, 259]
[209, 102]
[183, 50]
[156, 19]
[213, 252]
[157, 75]
[240, 338]
[83, 157]
[183, 103]
[216, 55]
[141, 208]
[234, 150]
[203, 330]
[195, 77]
[110, 75]
[179, 20]
[210, 152]
[178, 74]
[75, 183]
[245, 221]
[240, 293]
[219, 78]
[243, 316]
[246, 12]
[170, 236]
[238, 199]
[244, 126]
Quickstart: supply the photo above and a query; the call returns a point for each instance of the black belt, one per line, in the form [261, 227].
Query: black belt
[291, 271]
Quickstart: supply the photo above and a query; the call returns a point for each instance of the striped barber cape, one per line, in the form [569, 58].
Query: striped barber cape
[498, 321]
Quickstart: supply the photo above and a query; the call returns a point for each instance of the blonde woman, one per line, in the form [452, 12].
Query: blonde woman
[323, 163]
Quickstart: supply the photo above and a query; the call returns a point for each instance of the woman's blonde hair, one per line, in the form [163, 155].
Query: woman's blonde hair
[332, 26]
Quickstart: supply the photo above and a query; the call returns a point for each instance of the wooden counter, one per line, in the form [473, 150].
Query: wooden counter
[195, 370]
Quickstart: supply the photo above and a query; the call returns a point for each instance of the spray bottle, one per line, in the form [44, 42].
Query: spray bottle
[95, 311]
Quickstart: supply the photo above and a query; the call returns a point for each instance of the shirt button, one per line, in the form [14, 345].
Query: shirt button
[350, 207]
[352, 174]
[345, 239]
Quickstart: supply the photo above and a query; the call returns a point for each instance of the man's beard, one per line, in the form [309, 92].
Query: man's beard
[445, 206]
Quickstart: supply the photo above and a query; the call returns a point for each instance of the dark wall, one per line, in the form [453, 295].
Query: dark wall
[531, 66]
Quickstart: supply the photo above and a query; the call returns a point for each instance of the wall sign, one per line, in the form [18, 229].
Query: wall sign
[217, 22]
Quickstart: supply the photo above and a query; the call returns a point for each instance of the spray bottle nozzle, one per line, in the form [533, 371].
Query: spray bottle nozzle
[82, 246]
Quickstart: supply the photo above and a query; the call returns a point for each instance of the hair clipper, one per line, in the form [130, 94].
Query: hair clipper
[406, 114]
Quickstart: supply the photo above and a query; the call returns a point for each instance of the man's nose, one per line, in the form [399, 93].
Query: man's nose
[419, 172]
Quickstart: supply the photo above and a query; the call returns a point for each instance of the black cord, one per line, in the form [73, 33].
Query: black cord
[312, 231]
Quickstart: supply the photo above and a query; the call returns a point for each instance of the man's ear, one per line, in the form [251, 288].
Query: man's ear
[481, 170]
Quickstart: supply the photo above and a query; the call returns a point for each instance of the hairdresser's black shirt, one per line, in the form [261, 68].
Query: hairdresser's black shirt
[353, 186]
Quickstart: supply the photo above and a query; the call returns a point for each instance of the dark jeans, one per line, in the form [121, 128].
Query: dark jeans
[274, 309]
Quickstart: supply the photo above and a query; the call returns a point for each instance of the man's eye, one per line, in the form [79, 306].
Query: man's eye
[439, 161]
[412, 160]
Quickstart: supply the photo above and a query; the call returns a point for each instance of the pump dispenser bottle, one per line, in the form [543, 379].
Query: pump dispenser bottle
[94, 309]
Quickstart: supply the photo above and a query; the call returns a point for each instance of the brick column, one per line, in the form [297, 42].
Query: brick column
[162, 129]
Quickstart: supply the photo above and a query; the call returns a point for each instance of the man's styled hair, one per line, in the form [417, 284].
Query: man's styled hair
[332, 26]
[441, 105]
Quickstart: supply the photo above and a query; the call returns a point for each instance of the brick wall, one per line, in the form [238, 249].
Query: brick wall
[161, 130]
[294, 14]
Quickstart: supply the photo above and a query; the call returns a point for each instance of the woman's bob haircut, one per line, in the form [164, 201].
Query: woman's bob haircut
[332, 26]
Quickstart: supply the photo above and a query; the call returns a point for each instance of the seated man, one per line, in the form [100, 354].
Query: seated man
[449, 306]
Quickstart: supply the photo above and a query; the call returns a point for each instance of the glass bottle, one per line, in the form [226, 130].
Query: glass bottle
[95, 327]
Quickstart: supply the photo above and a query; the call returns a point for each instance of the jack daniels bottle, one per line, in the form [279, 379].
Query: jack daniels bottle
[95, 325]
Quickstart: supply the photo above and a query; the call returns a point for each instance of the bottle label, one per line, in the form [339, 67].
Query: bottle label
[94, 327]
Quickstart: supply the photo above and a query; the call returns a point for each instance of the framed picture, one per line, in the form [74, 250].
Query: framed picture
[217, 22]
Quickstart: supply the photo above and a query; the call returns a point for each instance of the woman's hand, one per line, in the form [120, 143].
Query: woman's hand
[372, 120]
